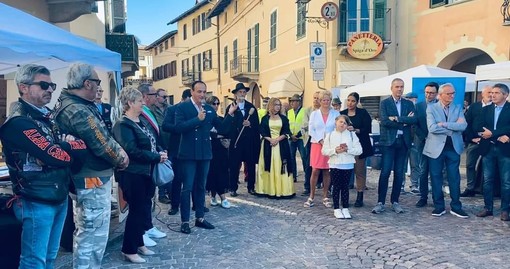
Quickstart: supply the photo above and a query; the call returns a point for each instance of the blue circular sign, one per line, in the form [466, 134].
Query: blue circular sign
[318, 51]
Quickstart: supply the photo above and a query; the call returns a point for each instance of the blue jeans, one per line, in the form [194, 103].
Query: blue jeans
[42, 227]
[194, 176]
[393, 157]
[451, 159]
[299, 146]
[492, 161]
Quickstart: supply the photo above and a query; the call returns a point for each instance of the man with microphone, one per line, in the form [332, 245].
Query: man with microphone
[244, 140]
[194, 120]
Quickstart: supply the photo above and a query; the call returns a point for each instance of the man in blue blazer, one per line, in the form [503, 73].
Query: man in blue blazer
[397, 116]
[194, 119]
[494, 129]
[421, 133]
[444, 145]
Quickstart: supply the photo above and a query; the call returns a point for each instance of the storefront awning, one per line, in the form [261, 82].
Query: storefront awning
[358, 72]
[288, 84]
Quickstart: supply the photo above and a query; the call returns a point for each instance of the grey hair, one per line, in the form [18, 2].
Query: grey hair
[144, 88]
[441, 88]
[26, 73]
[128, 94]
[77, 74]
[323, 93]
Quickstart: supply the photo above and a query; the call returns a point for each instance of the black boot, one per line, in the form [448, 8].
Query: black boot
[359, 200]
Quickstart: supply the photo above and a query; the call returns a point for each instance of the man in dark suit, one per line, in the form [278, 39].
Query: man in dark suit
[194, 119]
[494, 129]
[244, 140]
[173, 148]
[421, 132]
[104, 109]
[397, 115]
[472, 140]
[443, 146]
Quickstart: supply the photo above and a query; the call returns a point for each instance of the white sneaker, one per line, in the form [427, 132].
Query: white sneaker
[225, 204]
[155, 233]
[214, 202]
[345, 212]
[148, 242]
[338, 213]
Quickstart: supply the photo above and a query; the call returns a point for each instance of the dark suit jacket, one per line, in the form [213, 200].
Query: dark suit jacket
[503, 128]
[195, 141]
[474, 111]
[389, 128]
[106, 113]
[250, 136]
[169, 126]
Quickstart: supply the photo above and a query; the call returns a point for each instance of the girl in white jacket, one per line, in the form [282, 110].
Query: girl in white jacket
[341, 146]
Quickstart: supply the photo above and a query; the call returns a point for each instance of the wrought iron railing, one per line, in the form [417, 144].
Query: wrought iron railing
[505, 11]
[244, 65]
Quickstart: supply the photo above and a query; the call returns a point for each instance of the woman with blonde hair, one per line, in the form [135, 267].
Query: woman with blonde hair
[322, 121]
[136, 181]
[275, 177]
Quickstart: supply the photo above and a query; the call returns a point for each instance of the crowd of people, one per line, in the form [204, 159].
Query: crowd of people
[76, 149]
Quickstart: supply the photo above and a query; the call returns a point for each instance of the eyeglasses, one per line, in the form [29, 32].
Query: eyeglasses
[152, 94]
[277, 104]
[97, 81]
[216, 103]
[44, 85]
[449, 93]
[163, 96]
[430, 92]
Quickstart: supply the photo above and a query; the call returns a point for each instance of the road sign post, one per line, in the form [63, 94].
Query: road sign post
[318, 55]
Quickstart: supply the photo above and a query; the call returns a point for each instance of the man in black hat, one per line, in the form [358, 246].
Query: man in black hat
[245, 140]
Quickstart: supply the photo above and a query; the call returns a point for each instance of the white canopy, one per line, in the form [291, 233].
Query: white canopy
[381, 86]
[26, 39]
[496, 71]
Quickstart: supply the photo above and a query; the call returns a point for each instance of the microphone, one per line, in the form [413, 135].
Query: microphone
[252, 110]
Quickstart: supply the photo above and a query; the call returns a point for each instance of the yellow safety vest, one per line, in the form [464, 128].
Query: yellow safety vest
[296, 122]
[262, 112]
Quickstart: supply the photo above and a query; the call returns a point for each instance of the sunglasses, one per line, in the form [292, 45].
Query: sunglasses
[98, 81]
[216, 104]
[44, 85]
[152, 94]
[163, 96]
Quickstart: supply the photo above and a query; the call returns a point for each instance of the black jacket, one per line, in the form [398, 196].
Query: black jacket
[137, 146]
[265, 131]
[363, 122]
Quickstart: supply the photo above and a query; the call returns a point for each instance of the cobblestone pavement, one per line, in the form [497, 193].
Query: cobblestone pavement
[267, 233]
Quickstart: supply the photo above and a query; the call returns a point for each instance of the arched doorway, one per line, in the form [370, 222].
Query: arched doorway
[466, 60]
[255, 94]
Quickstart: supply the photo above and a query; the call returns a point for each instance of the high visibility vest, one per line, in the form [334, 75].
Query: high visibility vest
[296, 121]
[262, 112]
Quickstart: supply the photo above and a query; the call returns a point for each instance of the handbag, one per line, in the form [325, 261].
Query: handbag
[163, 173]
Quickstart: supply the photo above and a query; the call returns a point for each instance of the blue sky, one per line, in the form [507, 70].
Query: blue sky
[147, 19]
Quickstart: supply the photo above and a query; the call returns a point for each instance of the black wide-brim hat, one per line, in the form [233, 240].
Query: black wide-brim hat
[240, 86]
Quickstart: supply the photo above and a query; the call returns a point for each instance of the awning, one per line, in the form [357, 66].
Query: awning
[288, 84]
[26, 39]
[496, 71]
[357, 72]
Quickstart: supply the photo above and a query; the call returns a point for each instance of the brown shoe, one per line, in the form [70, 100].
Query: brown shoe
[484, 213]
[504, 216]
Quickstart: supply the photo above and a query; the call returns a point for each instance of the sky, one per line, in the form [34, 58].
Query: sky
[147, 19]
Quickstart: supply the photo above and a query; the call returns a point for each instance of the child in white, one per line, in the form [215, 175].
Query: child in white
[341, 146]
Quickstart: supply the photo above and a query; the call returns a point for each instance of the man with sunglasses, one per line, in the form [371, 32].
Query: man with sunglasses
[76, 114]
[38, 159]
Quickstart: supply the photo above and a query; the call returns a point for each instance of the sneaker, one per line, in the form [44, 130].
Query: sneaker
[415, 191]
[379, 208]
[421, 203]
[148, 242]
[446, 190]
[214, 202]
[438, 212]
[397, 208]
[155, 233]
[204, 224]
[459, 213]
[225, 204]
[345, 212]
[338, 213]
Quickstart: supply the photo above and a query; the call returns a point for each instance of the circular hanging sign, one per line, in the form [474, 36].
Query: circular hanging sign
[329, 11]
[365, 45]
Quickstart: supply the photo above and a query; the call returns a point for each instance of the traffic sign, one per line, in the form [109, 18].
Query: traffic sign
[318, 74]
[318, 55]
[329, 11]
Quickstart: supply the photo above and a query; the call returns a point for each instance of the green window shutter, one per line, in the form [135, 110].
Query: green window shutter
[272, 43]
[379, 22]
[256, 47]
[342, 23]
[249, 50]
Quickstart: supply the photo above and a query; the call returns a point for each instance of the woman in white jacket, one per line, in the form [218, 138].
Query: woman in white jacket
[341, 146]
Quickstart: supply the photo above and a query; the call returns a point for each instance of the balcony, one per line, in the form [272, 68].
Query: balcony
[505, 11]
[190, 76]
[69, 10]
[244, 68]
[351, 22]
[128, 48]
